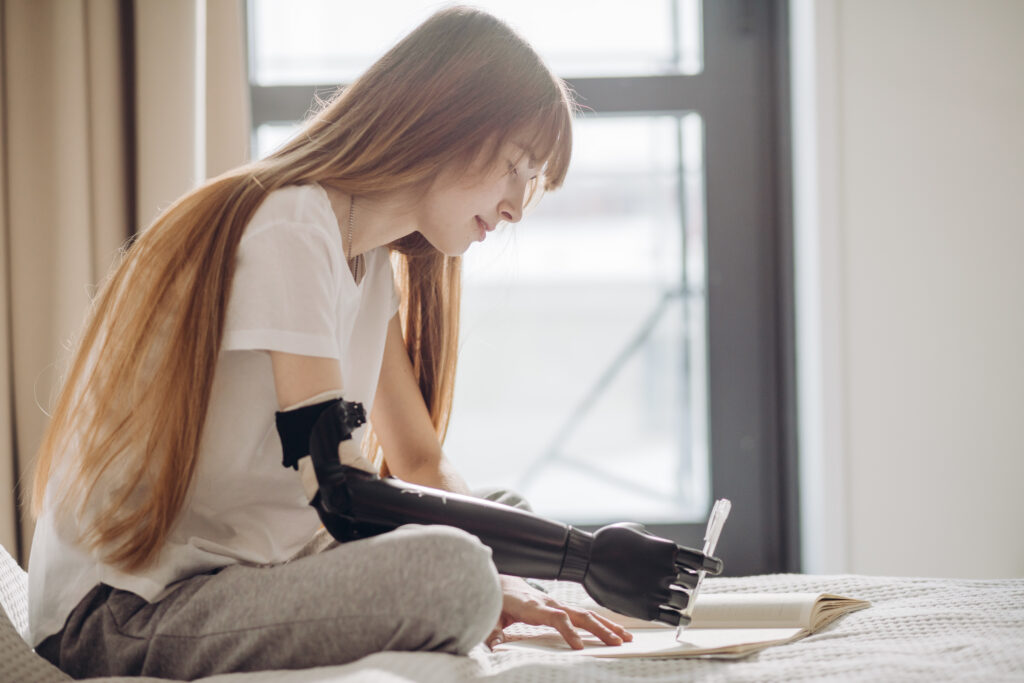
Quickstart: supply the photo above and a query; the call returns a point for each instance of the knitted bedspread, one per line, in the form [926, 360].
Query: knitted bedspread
[917, 629]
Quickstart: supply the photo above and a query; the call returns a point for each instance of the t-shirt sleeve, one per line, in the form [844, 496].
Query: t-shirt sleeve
[284, 296]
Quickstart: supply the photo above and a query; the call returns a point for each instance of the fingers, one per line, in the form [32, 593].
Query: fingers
[678, 598]
[566, 622]
[546, 611]
[690, 560]
[561, 622]
[671, 616]
[589, 621]
[687, 580]
[607, 630]
[495, 637]
[713, 565]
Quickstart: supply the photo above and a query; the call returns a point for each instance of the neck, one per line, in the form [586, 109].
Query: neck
[377, 221]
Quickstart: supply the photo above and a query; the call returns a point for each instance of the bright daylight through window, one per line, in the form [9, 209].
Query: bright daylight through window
[582, 379]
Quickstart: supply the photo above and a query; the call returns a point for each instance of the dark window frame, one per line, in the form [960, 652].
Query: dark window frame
[743, 96]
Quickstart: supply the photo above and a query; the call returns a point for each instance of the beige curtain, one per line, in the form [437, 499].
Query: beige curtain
[109, 110]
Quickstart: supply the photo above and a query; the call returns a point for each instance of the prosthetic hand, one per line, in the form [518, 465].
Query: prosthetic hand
[621, 566]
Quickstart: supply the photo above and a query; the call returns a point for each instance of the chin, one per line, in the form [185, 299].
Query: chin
[455, 252]
[450, 240]
[449, 248]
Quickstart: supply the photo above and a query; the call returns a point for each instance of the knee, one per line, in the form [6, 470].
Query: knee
[504, 497]
[464, 595]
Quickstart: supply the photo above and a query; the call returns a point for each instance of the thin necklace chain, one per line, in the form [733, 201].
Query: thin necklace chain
[348, 256]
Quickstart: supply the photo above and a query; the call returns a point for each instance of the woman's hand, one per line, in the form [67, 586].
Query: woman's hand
[521, 602]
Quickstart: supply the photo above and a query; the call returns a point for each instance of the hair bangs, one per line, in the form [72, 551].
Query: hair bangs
[548, 141]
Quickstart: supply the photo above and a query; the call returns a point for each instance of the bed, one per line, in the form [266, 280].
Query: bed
[918, 629]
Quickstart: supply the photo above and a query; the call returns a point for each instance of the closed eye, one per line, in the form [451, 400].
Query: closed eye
[514, 171]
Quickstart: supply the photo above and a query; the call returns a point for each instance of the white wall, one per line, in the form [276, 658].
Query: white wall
[909, 124]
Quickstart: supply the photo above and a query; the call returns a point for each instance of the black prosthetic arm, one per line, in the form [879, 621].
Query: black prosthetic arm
[621, 566]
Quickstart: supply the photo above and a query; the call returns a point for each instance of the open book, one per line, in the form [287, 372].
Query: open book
[729, 625]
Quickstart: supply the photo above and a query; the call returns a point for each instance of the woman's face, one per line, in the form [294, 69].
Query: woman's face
[462, 208]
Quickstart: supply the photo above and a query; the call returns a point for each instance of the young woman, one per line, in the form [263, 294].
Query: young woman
[170, 540]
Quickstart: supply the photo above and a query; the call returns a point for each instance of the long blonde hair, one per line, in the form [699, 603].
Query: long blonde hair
[130, 414]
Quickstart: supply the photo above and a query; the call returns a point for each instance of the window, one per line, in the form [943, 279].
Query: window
[601, 374]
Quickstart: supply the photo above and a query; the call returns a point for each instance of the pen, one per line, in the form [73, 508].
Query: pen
[716, 520]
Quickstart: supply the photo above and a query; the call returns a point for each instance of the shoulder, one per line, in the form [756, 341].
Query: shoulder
[294, 229]
[296, 205]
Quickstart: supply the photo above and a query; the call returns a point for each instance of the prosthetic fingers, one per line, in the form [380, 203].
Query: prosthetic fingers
[622, 566]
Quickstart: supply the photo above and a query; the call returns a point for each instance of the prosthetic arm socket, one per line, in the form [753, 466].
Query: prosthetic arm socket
[621, 566]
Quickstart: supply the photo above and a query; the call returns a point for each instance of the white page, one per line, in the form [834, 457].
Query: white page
[658, 642]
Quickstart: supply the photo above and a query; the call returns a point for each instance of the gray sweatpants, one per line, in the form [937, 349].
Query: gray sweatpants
[431, 588]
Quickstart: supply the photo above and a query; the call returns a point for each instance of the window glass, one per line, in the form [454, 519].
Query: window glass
[582, 367]
[326, 41]
[270, 136]
[582, 379]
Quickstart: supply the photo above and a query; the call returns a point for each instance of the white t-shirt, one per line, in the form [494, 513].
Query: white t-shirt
[292, 292]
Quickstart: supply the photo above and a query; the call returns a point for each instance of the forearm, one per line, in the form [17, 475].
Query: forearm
[622, 566]
[438, 473]
[443, 475]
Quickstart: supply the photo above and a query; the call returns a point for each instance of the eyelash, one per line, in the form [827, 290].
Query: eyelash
[515, 171]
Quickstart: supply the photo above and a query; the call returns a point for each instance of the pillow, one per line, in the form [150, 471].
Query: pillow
[14, 591]
[20, 663]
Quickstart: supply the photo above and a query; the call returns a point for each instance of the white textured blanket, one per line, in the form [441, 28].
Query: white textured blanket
[916, 630]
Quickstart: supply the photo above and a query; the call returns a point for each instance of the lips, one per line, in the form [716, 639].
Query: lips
[483, 226]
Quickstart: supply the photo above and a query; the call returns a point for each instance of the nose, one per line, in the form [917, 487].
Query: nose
[511, 216]
[511, 207]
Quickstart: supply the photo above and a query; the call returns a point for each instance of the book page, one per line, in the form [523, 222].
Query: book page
[660, 642]
[738, 610]
[729, 625]
[830, 607]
